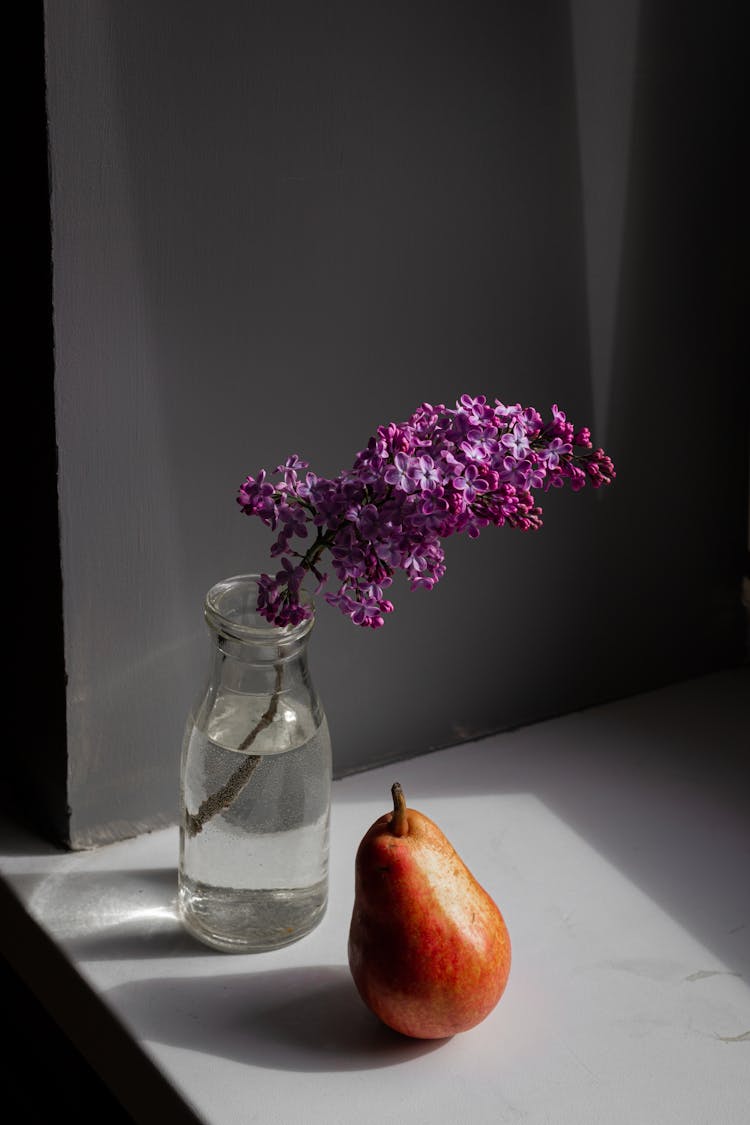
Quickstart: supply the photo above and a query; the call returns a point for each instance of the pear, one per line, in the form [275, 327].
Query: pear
[429, 951]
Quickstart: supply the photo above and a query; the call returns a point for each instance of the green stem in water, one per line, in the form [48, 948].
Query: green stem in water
[399, 825]
[222, 798]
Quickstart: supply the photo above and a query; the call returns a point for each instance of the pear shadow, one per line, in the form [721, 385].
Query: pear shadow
[298, 1019]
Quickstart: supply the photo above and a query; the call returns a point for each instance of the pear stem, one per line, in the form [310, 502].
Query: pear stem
[398, 824]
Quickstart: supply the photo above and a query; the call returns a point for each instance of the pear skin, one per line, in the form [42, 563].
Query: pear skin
[429, 951]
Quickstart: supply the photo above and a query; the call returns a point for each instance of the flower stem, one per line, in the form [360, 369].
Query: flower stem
[231, 789]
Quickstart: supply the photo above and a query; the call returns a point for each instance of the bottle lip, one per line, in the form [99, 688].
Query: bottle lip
[230, 608]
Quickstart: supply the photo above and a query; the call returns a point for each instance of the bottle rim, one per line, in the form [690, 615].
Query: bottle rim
[258, 631]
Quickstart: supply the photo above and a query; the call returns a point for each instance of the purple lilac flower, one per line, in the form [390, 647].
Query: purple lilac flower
[401, 474]
[293, 519]
[556, 449]
[516, 442]
[535, 476]
[426, 474]
[445, 471]
[471, 483]
[368, 521]
[515, 472]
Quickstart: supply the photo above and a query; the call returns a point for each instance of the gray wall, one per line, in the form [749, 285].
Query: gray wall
[276, 225]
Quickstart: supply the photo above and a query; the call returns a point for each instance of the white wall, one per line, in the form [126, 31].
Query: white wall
[276, 225]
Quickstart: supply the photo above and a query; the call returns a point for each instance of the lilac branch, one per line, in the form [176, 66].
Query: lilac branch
[446, 471]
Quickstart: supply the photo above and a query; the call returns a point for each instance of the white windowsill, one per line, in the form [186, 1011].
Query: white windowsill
[616, 841]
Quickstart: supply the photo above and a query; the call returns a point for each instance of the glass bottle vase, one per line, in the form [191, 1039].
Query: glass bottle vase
[255, 790]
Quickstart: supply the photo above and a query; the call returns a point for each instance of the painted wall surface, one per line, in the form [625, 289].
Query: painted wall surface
[277, 225]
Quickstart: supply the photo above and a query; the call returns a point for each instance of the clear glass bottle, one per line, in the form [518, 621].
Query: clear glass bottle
[255, 784]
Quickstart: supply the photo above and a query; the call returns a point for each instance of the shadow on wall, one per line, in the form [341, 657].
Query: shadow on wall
[678, 551]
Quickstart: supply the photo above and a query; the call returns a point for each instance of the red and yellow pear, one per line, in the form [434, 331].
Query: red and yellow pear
[429, 951]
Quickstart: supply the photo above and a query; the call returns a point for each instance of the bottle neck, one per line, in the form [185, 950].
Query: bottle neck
[259, 676]
[258, 669]
[251, 656]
